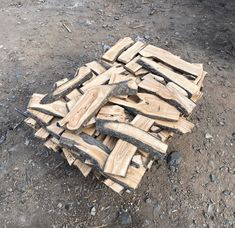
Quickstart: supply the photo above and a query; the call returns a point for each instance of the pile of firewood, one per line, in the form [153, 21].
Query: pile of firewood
[114, 117]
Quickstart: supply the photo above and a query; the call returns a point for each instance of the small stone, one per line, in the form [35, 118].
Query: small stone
[116, 18]
[10, 190]
[146, 222]
[156, 210]
[93, 211]
[1, 46]
[125, 218]
[174, 159]
[59, 205]
[226, 192]
[221, 123]
[106, 47]
[148, 200]
[213, 178]
[26, 142]
[147, 37]
[208, 136]
[2, 139]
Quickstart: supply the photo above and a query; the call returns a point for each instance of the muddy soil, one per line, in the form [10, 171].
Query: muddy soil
[38, 189]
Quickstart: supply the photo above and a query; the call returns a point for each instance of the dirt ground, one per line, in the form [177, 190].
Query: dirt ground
[38, 189]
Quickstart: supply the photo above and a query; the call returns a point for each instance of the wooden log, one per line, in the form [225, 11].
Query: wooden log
[181, 126]
[56, 108]
[150, 106]
[170, 95]
[103, 78]
[90, 130]
[73, 95]
[83, 75]
[110, 142]
[85, 169]
[165, 135]
[31, 122]
[51, 145]
[131, 52]
[96, 67]
[60, 82]
[133, 66]
[54, 129]
[42, 134]
[112, 54]
[116, 78]
[173, 86]
[90, 103]
[68, 156]
[113, 112]
[89, 149]
[123, 152]
[133, 135]
[141, 72]
[114, 186]
[170, 59]
[169, 75]
[41, 118]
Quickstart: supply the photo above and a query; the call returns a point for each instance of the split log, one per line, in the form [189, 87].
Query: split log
[170, 59]
[85, 169]
[110, 142]
[31, 122]
[131, 52]
[181, 126]
[169, 75]
[133, 135]
[60, 82]
[41, 118]
[150, 106]
[83, 75]
[90, 103]
[173, 86]
[114, 186]
[42, 134]
[103, 78]
[73, 95]
[170, 95]
[69, 156]
[96, 67]
[113, 112]
[133, 66]
[54, 129]
[112, 54]
[123, 152]
[51, 145]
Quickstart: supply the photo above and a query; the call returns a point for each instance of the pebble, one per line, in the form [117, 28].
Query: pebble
[208, 136]
[156, 210]
[10, 190]
[2, 139]
[1, 46]
[174, 159]
[59, 205]
[116, 18]
[125, 218]
[214, 178]
[106, 47]
[148, 200]
[93, 211]
[226, 192]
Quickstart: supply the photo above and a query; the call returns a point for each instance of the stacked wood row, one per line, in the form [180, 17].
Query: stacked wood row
[115, 116]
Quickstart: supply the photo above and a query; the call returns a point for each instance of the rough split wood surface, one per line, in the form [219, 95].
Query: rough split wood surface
[115, 116]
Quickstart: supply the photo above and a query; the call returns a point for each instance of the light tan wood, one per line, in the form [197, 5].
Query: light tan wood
[35, 99]
[137, 159]
[156, 129]
[132, 178]
[150, 106]
[30, 122]
[154, 76]
[90, 130]
[112, 112]
[182, 125]
[85, 169]
[133, 135]
[116, 78]
[112, 54]
[91, 79]
[170, 95]
[41, 134]
[165, 135]
[114, 186]
[110, 142]
[73, 95]
[52, 145]
[173, 86]
[89, 104]
[54, 129]
[83, 75]
[197, 96]
[170, 59]
[39, 116]
[141, 72]
[96, 67]
[56, 108]
[92, 151]
[131, 52]
[60, 82]
[103, 78]
[133, 66]
[122, 154]
[69, 156]
[169, 75]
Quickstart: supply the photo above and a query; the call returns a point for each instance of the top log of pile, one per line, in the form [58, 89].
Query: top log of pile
[115, 116]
